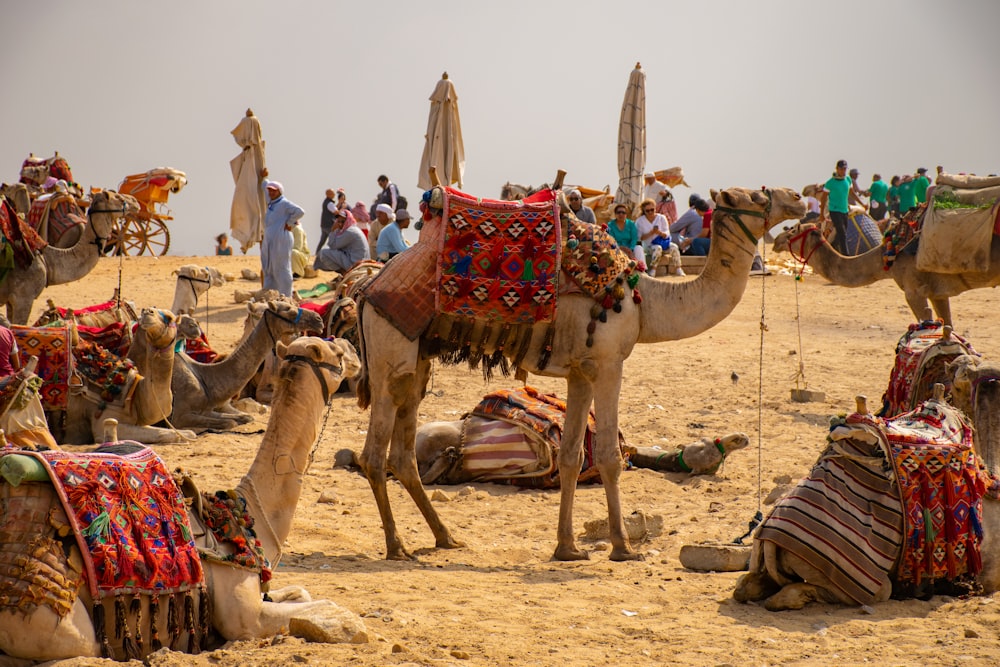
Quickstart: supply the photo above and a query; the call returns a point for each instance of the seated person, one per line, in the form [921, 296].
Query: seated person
[346, 246]
[689, 226]
[300, 253]
[626, 235]
[654, 233]
[390, 240]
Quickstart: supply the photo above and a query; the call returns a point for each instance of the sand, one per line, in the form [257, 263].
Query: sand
[501, 600]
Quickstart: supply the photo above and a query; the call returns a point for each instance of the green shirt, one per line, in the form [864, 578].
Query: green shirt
[838, 189]
[907, 196]
[921, 183]
[879, 189]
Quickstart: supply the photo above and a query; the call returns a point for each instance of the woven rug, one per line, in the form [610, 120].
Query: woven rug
[22, 240]
[111, 377]
[55, 360]
[55, 216]
[921, 356]
[116, 337]
[845, 517]
[942, 483]
[199, 349]
[498, 260]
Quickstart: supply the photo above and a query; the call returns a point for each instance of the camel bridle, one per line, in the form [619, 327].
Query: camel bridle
[273, 313]
[735, 213]
[800, 238]
[98, 239]
[317, 368]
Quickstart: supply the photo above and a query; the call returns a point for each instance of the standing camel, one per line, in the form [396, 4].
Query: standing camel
[808, 246]
[55, 266]
[311, 371]
[395, 374]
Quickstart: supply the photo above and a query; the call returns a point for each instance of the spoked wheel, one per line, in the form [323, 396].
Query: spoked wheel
[134, 236]
[157, 238]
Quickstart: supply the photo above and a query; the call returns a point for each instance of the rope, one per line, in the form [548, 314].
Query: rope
[801, 371]
[248, 484]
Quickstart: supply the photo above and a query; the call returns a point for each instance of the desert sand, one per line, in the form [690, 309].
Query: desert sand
[501, 600]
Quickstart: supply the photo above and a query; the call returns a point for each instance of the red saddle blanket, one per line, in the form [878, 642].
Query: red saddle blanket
[53, 347]
[22, 241]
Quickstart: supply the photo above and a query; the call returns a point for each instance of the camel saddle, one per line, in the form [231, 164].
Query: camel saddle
[20, 242]
[958, 229]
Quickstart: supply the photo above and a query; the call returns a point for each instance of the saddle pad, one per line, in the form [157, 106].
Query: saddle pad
[55, 360]
[24, 241]
[956, 240]
[845, 518]
[111, 377]
[116, 337]
[499, 260]
[130, 521]
[54, 216]
[862, 234]
[493, 448]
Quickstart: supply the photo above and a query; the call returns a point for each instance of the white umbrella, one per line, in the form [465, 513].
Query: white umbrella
[443, 147]
[632, 139]
[246, 217]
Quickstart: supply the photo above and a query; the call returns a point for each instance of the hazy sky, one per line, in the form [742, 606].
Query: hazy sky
[737, 92]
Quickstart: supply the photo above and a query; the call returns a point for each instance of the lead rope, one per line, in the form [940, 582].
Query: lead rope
[800, 373]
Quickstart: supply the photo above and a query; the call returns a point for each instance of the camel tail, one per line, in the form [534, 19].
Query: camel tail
[362, 387]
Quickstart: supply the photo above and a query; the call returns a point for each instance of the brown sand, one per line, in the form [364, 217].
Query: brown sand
[501, 600]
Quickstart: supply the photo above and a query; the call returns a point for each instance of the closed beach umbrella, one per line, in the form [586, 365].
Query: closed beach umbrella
[632, 139]
[246, 216]
[443, 147]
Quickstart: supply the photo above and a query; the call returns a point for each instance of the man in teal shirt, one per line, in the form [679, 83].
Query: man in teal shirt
[907, 194]
[920, 185]
[835, 194]
[878, 192]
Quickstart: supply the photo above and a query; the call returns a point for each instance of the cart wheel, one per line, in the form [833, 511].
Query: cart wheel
[157, 238]
[134, 236]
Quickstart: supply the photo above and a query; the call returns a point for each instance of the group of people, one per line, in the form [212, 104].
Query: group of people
[841, 191]
[347, 235]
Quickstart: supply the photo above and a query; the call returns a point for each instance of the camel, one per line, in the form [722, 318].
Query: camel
[395, 374]
[271, 487]
[202, 391]
[192, 282]
[153, 352]
[807, 245]
[55, 266]
[784, 581]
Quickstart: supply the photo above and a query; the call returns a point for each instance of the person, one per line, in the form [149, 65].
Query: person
[361, 217]
[666, 206]
[813, 206]
[689, 226]
[389, 195]
[383, 216]
[836, 192]
[276, 248]
[390, 240]
[300, 253]
[893, 196]
[652, 188]
[920, 185]
[654, 234]
[341, 199]
[907, 192]
[327, 215]
[878, 193]
[582, 212]
[346, 247]
[855, 194]
[10, 362]
[703, 242]
[222, 246]
[626, 235]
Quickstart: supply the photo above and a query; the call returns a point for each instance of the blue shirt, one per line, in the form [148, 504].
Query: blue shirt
[688, 225]
[390, 240]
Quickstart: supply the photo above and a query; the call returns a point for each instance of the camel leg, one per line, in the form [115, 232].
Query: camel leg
[579, 395]
[403, 459]
[919, 306]
[608, 459]
[942, 306]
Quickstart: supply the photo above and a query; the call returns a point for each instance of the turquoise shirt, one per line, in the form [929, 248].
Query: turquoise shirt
[921, 183]
[879, 189]
[907, 196]
[838, 189]
[627, 238]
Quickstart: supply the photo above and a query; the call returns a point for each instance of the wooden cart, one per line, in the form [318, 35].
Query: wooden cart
[146, 232]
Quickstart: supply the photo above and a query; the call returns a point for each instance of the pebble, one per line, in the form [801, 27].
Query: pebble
[461, 655]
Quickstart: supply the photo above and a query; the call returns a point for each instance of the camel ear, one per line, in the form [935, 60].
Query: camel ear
[175, 272]
[724, 198]
[758, 198]
[349, 360]
[714, 194]
[280, 349]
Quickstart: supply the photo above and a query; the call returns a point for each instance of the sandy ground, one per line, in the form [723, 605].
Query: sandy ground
[501, 600]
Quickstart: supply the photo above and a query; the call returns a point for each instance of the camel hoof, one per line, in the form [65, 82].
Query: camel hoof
[622, 555]
[449, 543]
[399, 553]
[570, 553]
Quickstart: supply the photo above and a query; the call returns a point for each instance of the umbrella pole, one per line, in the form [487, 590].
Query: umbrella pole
[432, 170]
[560, 176]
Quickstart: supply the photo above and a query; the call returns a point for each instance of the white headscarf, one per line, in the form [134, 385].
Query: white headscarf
[385, 208]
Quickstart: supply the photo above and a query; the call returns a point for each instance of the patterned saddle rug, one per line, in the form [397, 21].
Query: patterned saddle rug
[921, 355]
[52, 217]
[107, 375]
[53, 347]
[21, 242]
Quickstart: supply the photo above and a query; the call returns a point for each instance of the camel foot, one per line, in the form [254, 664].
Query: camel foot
[754, 586]
[792, 596]
[622, 555]
[449, 542]
[399, 553]
[570, 553]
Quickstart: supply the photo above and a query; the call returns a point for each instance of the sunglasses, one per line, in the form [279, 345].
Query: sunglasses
[648, 210]
[619, 212]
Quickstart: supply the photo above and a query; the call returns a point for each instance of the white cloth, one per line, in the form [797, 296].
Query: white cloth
[246, 216]
[653, 191]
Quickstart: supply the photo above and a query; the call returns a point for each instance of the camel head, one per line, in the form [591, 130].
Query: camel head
[782, 242]
[332, 360]
[107, 207]
[975, 390]
[160, 327]
[188, 327]
[207, 276]
[289, 319]
[760, 209]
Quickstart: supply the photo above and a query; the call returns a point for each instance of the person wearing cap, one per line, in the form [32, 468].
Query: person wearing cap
[346, 247]
[583, 213]
[276, 248]
[652, 188]
[384, 215]
[834, 196]
[878, 193]
[390, 240]
[920, 185]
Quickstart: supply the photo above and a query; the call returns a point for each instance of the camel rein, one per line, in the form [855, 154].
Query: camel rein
[735, 214]
[98, 239]
[800, 256]
[274, 339]
[316, 367]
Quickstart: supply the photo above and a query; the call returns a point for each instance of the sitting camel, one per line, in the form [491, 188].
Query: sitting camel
[202, 391]
[238, 608]
[55, 266]
[590, 356]
[192, 282]
[861, 563]
[807, 245]
[150, 400]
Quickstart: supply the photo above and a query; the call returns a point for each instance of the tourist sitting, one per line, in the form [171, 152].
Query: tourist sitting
[390, 239]
[583, 213]
[346, 246]
[626, 235]
[654, 233]
[689, 226]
